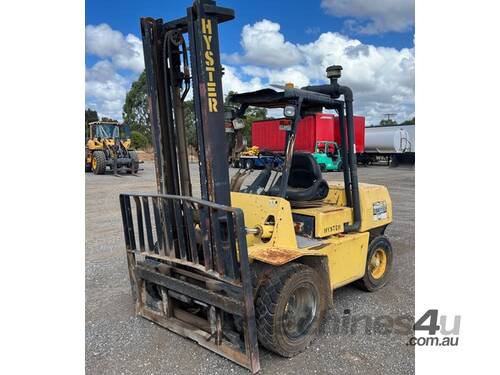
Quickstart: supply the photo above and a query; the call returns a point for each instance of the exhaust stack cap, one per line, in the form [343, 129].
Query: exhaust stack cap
[334, 71]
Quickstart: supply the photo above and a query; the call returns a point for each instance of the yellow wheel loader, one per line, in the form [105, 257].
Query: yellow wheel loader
[109, 144]
[247, 263]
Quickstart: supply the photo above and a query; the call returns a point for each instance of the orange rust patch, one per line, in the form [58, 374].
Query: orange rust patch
[276, 256]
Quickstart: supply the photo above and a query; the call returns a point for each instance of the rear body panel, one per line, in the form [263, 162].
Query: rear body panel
[346, 253]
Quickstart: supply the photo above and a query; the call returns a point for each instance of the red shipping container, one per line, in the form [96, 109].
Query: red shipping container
[270, 134]
[359, 132]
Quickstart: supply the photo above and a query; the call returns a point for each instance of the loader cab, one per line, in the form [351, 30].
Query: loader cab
[108, 133]
[104, 130]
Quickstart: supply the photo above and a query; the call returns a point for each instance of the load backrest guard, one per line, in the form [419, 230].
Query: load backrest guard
[183, 281]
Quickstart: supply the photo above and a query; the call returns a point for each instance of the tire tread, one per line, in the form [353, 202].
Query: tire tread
[266, 304]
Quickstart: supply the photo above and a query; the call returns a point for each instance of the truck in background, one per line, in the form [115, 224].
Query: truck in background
[269, 136]
[394, 143]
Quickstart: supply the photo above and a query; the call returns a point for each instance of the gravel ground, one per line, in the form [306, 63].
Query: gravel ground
[117, 342]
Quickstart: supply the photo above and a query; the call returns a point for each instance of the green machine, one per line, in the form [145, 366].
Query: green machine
[327, 154]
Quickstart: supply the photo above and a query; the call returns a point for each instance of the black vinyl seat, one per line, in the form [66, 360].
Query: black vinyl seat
[305, 182]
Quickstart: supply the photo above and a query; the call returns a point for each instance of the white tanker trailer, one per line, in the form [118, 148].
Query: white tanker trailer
[394, 142]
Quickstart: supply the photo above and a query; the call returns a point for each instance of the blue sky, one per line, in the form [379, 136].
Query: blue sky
[269, 42]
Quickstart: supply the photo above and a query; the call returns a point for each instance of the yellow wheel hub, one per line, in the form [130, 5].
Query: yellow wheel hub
[378, 263]
[94, 163]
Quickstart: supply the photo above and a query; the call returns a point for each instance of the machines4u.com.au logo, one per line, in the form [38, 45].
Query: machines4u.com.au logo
[440, 329]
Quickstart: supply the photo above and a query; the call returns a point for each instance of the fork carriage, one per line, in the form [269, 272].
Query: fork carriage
[189, 271]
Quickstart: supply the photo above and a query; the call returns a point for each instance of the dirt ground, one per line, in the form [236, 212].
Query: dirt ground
[117, 342]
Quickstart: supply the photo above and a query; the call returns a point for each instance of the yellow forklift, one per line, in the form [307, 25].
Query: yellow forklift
[246, 263]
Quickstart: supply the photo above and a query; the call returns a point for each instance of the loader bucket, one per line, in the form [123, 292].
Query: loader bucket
[189, 271]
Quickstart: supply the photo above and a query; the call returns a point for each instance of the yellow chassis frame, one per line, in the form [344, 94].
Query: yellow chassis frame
[346, 253]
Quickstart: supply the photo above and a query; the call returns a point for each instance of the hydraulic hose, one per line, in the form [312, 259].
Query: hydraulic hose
[352, 166]
[335, 90]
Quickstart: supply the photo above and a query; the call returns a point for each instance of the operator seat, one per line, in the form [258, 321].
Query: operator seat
[305, 182]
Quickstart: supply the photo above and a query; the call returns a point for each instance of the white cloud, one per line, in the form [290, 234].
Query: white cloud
[231, 81]
[105, 89]
[295, 74]
[374, 16]
[125, 52]
[382, 78]
[265, 45]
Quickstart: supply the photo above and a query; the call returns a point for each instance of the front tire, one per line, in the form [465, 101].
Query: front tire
[98, 162]
[290, 306]
[378, 264]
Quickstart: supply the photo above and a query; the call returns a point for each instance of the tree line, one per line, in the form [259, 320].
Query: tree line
[136, 115]
[392, 122]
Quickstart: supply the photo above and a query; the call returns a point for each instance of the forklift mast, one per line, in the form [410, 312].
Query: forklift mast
[169, 79]
[182, 250]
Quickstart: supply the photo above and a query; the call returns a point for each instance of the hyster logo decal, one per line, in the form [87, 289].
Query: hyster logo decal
[206, 27]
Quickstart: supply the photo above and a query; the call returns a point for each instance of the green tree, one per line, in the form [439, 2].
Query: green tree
[136, 115]
[251, 114]
[90, 116]
[388, 121]
[409, 122]
[135, 109]
[190, 122]
[139, 140]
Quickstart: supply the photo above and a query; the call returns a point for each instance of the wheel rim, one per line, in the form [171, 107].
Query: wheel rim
[300, 311]
[94, 163]
[378, 263]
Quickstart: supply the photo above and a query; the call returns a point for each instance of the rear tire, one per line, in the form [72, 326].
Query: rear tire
[98, 162]
[289, 308]
[249, 164]
[135, 162]
[378, 264]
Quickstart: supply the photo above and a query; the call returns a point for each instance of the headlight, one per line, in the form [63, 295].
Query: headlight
[238, 123]
[289, 111]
